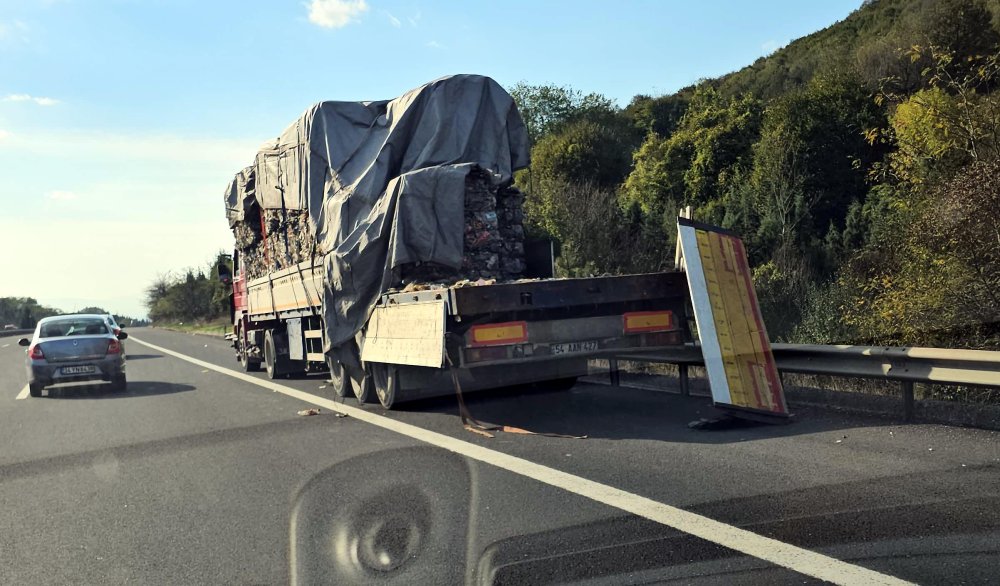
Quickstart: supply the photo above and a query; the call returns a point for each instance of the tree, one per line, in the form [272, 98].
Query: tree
[811, 160]
[660, 115]
[691, 166]
[545, 108]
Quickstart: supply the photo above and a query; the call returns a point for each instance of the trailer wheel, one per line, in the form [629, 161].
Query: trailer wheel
[385, 377]
[363, 390]
[338, 378]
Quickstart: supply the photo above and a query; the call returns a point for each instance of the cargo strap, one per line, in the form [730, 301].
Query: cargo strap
[472, 424]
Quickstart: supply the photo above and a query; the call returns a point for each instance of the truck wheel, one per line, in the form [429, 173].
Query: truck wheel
[385, 378]
[35, 390]
[272, 362]
[338, 378]
[363, 390]
[249, 365]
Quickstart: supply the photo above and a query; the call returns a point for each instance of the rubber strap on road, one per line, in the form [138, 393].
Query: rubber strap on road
[472, 424]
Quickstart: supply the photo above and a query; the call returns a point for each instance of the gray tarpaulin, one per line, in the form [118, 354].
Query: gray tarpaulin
[384, 183]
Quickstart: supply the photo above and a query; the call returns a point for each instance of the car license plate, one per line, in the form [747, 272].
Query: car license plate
[78, 369]
[574, 347]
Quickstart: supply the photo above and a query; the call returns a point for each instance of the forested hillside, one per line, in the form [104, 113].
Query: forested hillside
[24, 312]
[860, 164]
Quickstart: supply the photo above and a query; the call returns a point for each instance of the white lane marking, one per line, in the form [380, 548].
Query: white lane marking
[777, 552]
[5, 345]
[23, 394]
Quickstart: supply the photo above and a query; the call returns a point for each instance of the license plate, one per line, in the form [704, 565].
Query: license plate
[574, 347]
[78, 369]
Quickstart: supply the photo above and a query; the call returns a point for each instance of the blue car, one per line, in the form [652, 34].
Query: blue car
[71, 348]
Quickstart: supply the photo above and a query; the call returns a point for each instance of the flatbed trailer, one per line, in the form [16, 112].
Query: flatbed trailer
[490, 335]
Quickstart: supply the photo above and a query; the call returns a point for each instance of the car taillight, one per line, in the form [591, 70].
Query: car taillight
[35, 352]
[114, 347]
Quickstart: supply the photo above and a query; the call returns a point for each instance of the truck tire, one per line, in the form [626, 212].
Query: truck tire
[276, 365]
[363, 388]
[338, 378]
[249, 365]
[385, 378]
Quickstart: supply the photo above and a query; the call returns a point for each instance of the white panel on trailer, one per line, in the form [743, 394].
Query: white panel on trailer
[411, 333]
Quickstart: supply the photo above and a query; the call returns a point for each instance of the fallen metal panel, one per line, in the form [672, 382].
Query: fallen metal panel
[741, 367]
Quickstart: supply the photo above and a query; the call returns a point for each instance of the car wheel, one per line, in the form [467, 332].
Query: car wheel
[119, 384]
[35, 390]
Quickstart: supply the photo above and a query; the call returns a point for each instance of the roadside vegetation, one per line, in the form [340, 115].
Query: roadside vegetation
[860, 165]
[192, 300]
[24, 313]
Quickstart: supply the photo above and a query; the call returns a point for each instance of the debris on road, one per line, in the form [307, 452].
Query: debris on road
[308, 412]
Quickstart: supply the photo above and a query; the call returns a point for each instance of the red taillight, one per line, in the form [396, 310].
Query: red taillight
[114, 347]
[35, 352]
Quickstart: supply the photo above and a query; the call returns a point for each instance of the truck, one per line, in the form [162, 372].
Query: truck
[408, 284]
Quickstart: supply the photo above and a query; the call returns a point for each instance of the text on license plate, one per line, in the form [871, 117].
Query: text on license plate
[77, 369]
[572, 347]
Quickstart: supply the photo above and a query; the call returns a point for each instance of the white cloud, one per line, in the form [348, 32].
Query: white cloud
[58, 195]
[414, 20]
[41, 101]
[392, 19]
[435, 45]
[335, 13]
[5, 134]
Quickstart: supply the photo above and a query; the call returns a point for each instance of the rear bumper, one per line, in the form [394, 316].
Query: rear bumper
[43, 373]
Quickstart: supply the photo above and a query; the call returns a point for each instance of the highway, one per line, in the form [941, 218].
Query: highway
[200, 475]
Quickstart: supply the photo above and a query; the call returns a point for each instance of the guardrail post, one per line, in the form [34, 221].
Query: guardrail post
[907, 400]
[613, 371]
[682, 379]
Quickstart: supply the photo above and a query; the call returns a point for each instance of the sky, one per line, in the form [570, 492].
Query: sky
[123, 121]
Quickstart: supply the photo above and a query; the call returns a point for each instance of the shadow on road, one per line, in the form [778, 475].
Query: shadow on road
[606, 412]
[103, 390]
[142, 356]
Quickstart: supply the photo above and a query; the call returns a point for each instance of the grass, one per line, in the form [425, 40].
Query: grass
[216, 327]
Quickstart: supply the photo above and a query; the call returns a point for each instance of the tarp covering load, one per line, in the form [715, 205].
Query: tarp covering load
[415, 188]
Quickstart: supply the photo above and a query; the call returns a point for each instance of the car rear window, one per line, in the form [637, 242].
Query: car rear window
[73, 327]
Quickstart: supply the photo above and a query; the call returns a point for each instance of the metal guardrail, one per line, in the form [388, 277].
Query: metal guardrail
[8, 333]
[901, 364]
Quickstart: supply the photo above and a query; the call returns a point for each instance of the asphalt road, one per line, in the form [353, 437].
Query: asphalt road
[194, 476]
